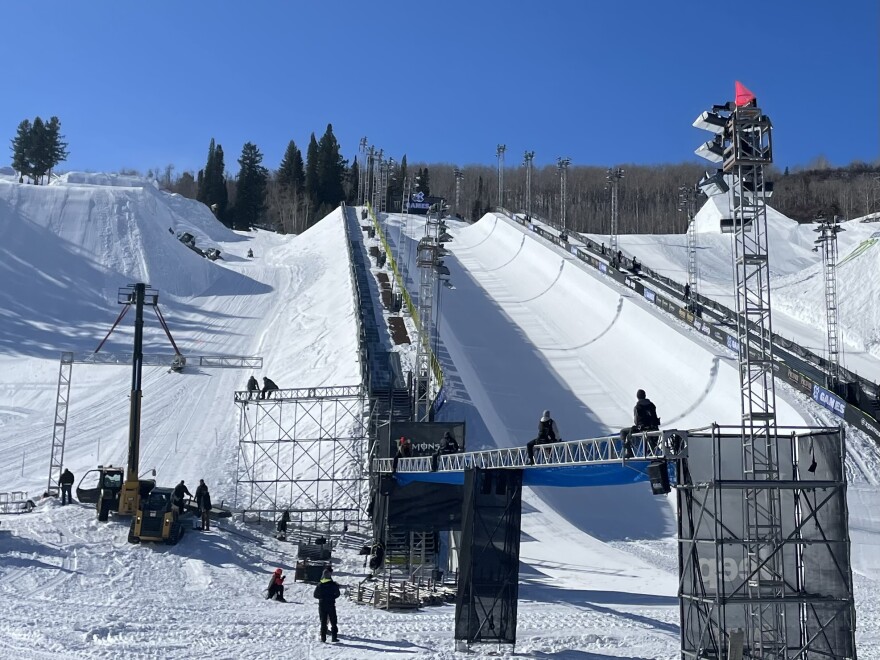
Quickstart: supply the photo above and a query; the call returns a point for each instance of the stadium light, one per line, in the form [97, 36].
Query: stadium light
[712, 122]
[712, 151]
[714, 184]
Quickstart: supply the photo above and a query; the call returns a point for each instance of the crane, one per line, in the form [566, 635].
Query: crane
[124, 496]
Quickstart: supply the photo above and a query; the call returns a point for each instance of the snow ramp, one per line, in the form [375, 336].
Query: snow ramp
[527, 329]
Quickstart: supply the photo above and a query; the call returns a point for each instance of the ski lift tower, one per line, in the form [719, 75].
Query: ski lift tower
[429, 250]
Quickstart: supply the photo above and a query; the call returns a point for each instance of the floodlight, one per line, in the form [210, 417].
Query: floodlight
[712, 151]
[712, 122]
[728, 226]
[713, 184]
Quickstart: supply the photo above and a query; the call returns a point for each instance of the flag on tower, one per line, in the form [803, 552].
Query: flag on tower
[743, 95]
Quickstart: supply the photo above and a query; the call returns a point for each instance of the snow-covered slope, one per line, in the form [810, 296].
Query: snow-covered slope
[523, 329]
[798, 290]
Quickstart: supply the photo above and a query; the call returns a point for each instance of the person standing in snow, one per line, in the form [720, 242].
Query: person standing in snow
[276, 586]
[203, 502]
[253, 388]
[548, 433]
[327, 592]
[66, 483]
[268, 386]
[177, 496]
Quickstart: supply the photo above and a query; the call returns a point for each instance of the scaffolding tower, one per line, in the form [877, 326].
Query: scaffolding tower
[429, 250]
[612, 178]
[687, 196]
[827, 242]
[304, 451]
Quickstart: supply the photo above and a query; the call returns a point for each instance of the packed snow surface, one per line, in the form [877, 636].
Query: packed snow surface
[523, 327]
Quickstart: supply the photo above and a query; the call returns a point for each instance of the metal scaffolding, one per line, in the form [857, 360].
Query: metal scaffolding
[528, 160]
[429, 249]
[612, 178]
[499, 153]
[687, 197]
[562, 165]
[723, 590]
[827, 242]
[305, 451]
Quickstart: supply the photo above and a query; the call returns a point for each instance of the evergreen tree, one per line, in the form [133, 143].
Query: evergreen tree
[57, 146]
[211, 189]
[311, 179]
[205, 176]
[424, 182]
[250, 191]
[219, 192]
[40, 150]
[331, 170]
[290, 173]
[21, 150]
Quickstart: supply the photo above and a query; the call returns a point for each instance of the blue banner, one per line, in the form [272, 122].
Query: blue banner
[831, 401]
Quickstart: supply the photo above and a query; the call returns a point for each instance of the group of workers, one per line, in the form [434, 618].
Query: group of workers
[254, 391]
[644, 419]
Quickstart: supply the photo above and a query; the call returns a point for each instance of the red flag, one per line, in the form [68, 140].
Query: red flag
[743, 95]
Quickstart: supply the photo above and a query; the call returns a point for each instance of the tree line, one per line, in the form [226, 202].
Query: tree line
[300, 192]
[37, 148]
[303, 190]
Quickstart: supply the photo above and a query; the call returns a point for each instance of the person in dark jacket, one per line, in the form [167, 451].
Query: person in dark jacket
[404, 450]
[644, 419]
[327, 592]
[282, 525]
[66, 483]
[548, 433]
[203, 502]
[177, 496]
[448, 445]
[276, 586]
[268, 386]
[253, 388]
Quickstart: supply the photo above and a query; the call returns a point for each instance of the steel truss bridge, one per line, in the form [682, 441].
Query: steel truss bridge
[608, 450]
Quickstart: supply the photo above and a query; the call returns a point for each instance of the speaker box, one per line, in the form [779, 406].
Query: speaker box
[658, 475]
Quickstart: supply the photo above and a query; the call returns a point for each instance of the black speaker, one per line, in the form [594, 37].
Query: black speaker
[658, 475]
[386, 485]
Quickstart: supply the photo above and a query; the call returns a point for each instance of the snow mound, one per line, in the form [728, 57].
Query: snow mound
[69, 247]
[802, 295]
[105, 179]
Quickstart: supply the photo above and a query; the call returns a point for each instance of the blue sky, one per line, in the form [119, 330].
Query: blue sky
[141, 85]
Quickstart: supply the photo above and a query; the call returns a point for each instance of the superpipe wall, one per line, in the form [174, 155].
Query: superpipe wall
[788, 366]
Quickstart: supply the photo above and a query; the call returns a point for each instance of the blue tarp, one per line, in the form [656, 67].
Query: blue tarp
[571, 476]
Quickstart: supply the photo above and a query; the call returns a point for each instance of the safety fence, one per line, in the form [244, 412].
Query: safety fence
[407, 298]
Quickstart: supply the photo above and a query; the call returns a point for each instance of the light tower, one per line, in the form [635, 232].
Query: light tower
[612, 180]
[562, 165]
[528, 159]
[459, 175]
[362, 173]
[742, 145]
[499, 153]
[427, 260]
[687, 202]
[368, 174]
[827, 242]
[378, 159]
